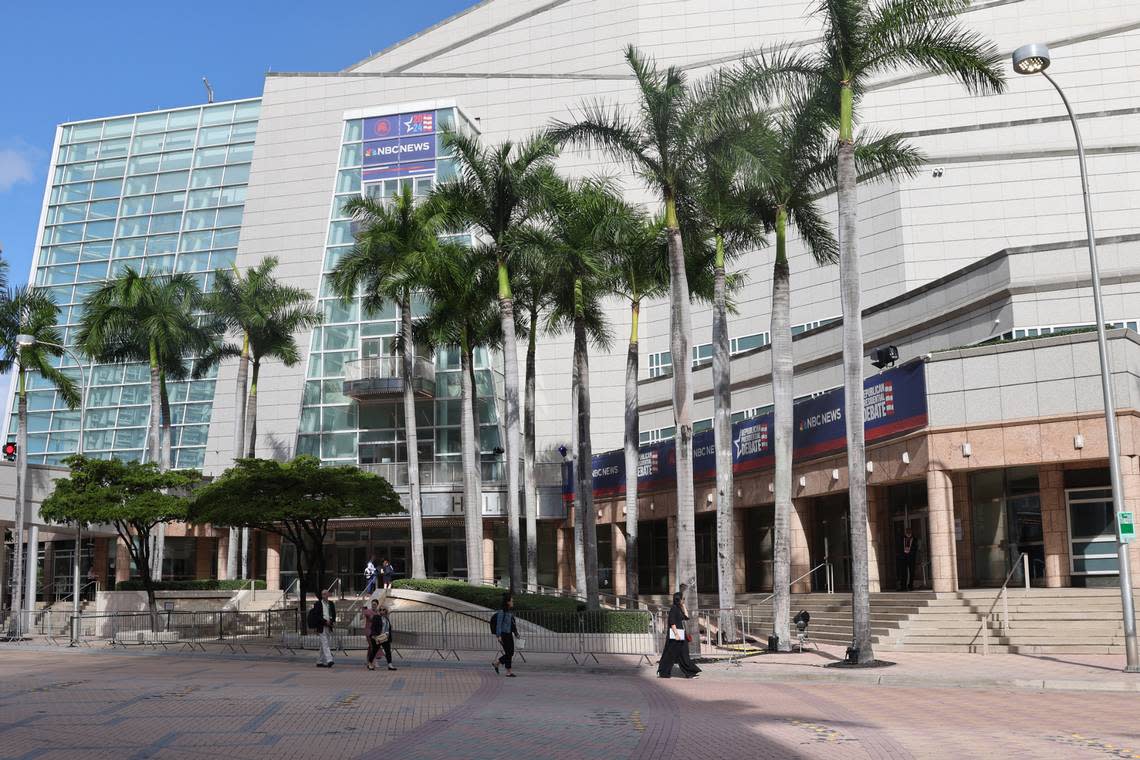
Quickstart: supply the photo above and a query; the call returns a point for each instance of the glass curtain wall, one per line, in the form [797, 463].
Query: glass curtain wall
[160, 192]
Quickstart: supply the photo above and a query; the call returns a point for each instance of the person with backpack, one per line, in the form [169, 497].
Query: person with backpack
[322, 618]
[369, 577]
[504, 627]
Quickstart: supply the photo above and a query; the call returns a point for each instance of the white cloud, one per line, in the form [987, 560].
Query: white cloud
[16, 165]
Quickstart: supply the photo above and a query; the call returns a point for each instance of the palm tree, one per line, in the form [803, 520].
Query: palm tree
[497, 193]
[532, 294]
[29, 311]
[461, 289]
[395, 246]
[578, 213]
[657, 143]
[860, 42]
[640, 271]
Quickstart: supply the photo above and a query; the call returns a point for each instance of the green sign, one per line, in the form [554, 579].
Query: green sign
[1127, 527]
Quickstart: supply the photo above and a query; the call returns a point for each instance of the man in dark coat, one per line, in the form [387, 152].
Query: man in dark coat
[322, 619]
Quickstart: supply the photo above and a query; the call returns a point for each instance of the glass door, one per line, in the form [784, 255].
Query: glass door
[917, 523]
[1092, 532]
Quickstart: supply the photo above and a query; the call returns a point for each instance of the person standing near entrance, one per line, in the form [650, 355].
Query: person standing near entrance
[503, 625]
[322, 617]
[908, 551]
[369, 577]
[387, 573]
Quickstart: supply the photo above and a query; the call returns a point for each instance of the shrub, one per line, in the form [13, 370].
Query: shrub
[200, 585]
[552, 612]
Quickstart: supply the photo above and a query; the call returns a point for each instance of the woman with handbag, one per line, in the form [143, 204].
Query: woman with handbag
[676, 643]
[379, 635]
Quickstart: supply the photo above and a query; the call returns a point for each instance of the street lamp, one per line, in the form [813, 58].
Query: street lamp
[27, 341]
[1035, 59]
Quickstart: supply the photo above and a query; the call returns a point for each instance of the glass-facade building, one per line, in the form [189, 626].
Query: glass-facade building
[160, 192]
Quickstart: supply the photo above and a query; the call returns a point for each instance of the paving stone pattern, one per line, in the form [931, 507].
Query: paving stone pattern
[95, 704]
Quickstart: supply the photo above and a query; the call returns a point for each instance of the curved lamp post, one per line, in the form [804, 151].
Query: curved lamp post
[27, 341]
[1035, 59]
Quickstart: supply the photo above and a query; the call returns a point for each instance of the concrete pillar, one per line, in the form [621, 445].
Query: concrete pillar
[963, 517]
[223, 547]
[1054, 525]
[799, 545]
[876, 548]
[488, 550]
[32, 567]
[1130, 478]
[99, 562]
[3, 569]
[671, 527]
[122, 562]
[941, 549]
[618, 544]
[273, 562]
[740, 568]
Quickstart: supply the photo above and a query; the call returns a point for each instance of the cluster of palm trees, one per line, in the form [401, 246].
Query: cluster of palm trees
[176, 330]
[732, 158]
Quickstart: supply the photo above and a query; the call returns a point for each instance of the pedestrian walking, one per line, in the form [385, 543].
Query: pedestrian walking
[387, 573]
[676, 649]
[369, 577]
[504, 627]
[322, 618]
[379, 634]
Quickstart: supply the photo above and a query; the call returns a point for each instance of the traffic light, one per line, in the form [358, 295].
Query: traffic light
[10, 451]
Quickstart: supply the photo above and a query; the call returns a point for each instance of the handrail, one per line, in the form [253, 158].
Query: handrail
[1002, 596]
[336, 582]
[794, 582]
[71, 595]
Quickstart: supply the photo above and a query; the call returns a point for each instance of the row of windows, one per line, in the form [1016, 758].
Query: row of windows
[190, 118]
[175, 181]
[1035, 332]
[113, 163]
[191, 458]
[661, 363]
[135, 226]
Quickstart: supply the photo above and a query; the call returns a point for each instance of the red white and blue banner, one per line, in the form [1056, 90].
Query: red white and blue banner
[894, 402]
[400, 145]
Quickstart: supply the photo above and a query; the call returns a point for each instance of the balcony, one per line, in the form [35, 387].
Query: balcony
[446, 472]
[382, 377]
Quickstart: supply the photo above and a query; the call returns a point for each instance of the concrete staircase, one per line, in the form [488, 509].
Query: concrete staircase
[1041, 621]
[831, 614]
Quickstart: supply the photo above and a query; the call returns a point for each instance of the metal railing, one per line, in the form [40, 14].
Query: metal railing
[338, 586]
[437, 471]
[388, 368]
[1003, 597]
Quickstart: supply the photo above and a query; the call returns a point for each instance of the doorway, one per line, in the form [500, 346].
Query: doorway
[917, 522]
[831, 544]
[1006, 521]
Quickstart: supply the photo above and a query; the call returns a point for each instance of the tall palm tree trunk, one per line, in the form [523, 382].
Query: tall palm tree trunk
[159, 552]
[632, 440]
[472, 503]
[511, 391]
[584, 465]
[783, 395]
[17, 627]
[680, 328]
[530, 494]
[850, 292]
[411, 434]
[154, 424]
[579, 509]
[722, 436]
[251, 410]
[239, 444]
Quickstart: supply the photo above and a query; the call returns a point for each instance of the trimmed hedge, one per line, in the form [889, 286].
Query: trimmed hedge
[204, 585]
[553, 612]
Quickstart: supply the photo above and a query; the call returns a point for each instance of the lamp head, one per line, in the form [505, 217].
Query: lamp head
[1031, 59]
[25, 341]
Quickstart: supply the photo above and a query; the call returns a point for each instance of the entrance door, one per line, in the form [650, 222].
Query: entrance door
[916, 521]
[350, 562]
[831, 543]
[396, 554]
[437, 560]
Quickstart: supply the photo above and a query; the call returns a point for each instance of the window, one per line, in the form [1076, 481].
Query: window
[748, 342]
[660, 364]
[802, 328]
[1092, 532]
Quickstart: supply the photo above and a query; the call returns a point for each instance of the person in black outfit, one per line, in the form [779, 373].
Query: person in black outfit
[676, 644]
[387, 573]
[379, 625]
[503, 626]
[908, 552]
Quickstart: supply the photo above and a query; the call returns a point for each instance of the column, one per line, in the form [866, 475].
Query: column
[1054, 525]
[99, 562]
[32, 568]
[122, 562]
[223, 547]
[1130, 479]
[564, 578]
[964, 517]
[203, 558]
[618, 558]
[3, 568]
[488, 551]
[738, 564]
[273, 561]
[799, 545]
[875, 520]
[940, 546]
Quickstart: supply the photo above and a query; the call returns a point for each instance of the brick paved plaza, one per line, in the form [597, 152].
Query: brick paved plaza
[60, 703]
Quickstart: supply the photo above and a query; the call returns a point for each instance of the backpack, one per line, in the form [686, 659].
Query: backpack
[316, 617]
[495, 624]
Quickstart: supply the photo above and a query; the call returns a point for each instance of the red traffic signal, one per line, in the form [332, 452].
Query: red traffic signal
[10, 451]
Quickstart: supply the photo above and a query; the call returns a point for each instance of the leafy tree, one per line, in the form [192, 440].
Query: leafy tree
[460, 287]
[395, 248]
[497, 193]
[296, 500]
[29, 311]
[863, 41]
[134, 497]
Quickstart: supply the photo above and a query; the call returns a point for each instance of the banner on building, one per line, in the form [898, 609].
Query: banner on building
[399, 145]
[894, 402]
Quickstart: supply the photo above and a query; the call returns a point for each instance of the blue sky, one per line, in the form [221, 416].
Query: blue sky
[66, 60]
